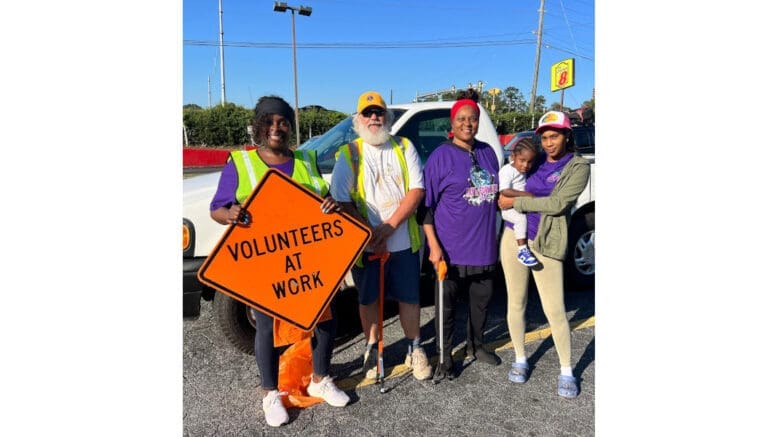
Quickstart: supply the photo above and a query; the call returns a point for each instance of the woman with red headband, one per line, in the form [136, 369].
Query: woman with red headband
[460, 226]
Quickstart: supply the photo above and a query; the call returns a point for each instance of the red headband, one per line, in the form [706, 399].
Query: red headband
[459, 104]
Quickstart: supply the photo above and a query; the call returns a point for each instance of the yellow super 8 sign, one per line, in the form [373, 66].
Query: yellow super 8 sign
[562, 75]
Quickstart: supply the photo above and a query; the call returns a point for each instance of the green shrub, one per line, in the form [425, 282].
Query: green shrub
[226, 126]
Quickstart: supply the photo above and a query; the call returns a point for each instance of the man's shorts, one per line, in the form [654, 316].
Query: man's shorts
[401, 273]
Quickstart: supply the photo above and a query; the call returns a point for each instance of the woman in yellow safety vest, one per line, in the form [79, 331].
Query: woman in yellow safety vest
[271, 127]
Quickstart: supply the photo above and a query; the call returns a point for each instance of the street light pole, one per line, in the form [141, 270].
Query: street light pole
[294, 63]
[303, 10]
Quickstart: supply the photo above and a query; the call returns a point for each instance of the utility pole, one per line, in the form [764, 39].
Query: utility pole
[209, 91]
[536, 63]
[221, 47]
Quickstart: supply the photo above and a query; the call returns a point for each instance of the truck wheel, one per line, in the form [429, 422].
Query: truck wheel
[236, 322]
[580, 262]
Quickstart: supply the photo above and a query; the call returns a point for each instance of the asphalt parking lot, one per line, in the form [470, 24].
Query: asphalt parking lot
[221, 385]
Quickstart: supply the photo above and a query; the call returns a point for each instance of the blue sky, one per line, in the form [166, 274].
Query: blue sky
[493, 44]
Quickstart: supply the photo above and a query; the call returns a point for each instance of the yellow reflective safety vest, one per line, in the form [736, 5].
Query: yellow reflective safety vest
[250, 169]
[353, 154]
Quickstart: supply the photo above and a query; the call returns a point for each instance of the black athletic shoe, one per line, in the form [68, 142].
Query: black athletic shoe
[487, 357]
[444, 370]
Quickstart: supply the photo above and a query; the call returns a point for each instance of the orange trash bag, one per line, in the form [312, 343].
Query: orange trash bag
[296, 363]
[285, 333]
[296, 366]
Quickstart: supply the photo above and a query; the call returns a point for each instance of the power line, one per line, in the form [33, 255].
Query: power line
[560, 41]
[567, 51]
[372, 45]
[566, 20]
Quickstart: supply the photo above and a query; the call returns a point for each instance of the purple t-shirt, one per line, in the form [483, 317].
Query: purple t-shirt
[541, 184]
[462, 195]
[225, 193]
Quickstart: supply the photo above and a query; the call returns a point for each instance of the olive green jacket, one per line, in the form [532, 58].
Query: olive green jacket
[556, 209]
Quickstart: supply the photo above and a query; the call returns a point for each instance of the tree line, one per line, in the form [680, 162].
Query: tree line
[509, 109]
[226, 126]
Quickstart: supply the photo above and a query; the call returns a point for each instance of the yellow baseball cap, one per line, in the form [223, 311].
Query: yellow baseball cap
[370, 98]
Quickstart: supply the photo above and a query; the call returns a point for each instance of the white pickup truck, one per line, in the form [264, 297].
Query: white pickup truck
[425, 124]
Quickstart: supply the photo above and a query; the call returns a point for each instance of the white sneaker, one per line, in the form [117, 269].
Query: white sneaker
[274, 412]
[328, 391]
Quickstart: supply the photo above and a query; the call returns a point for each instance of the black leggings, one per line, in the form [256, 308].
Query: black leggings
[475, 284]
[268, 357]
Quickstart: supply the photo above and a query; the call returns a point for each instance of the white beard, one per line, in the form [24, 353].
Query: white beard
[375, 139]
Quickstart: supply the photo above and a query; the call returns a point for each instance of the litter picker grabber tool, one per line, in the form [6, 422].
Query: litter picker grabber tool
[442, 270]
[383, 257]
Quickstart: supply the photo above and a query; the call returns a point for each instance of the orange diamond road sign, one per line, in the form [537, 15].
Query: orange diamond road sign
[291, 258]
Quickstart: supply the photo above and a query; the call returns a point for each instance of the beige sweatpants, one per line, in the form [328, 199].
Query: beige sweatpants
[550, 286]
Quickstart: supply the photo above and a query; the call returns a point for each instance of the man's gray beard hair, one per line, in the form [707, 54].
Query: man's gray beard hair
[375, 139]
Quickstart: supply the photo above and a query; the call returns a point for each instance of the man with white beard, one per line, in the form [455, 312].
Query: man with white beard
[378, 179]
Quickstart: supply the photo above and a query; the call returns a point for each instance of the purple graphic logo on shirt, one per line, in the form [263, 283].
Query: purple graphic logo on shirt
[481, 187]
[553, 177]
